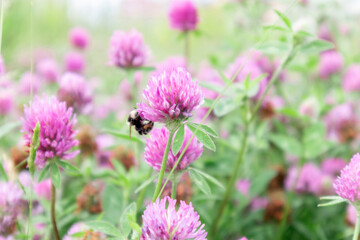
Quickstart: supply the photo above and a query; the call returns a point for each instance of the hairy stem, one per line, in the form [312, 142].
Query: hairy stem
[163, 165]
[53, 218]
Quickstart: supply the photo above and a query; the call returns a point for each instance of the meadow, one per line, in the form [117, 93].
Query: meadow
[182, 119]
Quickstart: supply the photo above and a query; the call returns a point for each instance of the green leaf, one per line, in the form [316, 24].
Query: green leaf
[208, 177]
[273, 47]
[204, 128]
[128, 213]
[225, 79]
[287, 144]
[178, 140]
[274, 27]
[284, 18]
[211, 86]
[105, 227]
[78, 235]
[260, 183]
[8, 127]
[44, 172]
[203, 138]
[124, 136]
[55, 176]
[290, 112]
[112, 203]
[316, 46]
[200, 182]
[330, 198]
[3, 173]
[146, 183]
[225, 106]
[68, 167]
[333, 202]
[314, 141]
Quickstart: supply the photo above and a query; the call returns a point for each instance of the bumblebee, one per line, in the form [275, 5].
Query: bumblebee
[142, 126]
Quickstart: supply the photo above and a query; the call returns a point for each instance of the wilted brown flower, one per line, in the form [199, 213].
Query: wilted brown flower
[90, 198]
[17, 156]
[275, 209]
[86, 137]
[277, 183]
[126, 157]
[183, 189]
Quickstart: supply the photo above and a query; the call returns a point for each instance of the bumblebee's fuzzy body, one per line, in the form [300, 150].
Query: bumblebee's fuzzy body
[142, 126]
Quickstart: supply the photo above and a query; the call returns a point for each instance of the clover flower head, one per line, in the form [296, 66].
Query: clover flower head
[170, 95]
[347, 185]
[167, 223]
[57, 134]
[155, 148]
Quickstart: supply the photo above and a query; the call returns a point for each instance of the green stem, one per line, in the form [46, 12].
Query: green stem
[173, 189]
[53, 218]
[187, 48]
[163, 165]
[357, 226]
[231, 183]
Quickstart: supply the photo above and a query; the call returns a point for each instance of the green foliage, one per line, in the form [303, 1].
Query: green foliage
[203, 137]
[178, 140]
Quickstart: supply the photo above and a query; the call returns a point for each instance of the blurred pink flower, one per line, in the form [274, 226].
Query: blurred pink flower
[48, 70]
[243, 186]
[43, 189]
[258, 203]
[2, 66]
[26, 81]
[209, 75]
[243, 238]
[309, 107]
[6, 101]
[79, 37]
[351, 79]
[183, 15]
[127, 50]
[324, 33]
[249, 67]
[342, 123]
[74, 62]
[11, 205]
[351, 214]
[155, 148]
[310, 179]
[333, 166]
[331, 62]
[75, 92]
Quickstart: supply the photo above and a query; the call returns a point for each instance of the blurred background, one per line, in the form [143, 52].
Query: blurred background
[34, 30]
